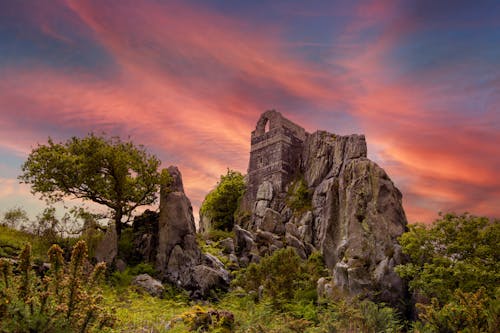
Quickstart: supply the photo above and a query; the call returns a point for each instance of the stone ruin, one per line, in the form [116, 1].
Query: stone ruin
[275, 153]
[354, 216]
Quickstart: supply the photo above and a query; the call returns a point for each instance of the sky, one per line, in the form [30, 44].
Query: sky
[189, 80]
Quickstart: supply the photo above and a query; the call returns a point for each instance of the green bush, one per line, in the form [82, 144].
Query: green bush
[221, 204]
[198, 319]
[452, 262]
[66, 299]
[456, 251]
[474, 312]
[284, 276]
[357, 316]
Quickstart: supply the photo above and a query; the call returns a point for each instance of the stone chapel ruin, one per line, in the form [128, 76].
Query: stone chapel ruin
[354, 216]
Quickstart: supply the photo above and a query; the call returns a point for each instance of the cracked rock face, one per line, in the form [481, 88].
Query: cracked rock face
[354, 216]
[178, 258]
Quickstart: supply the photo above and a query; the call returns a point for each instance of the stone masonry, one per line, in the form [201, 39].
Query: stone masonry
[275, 153]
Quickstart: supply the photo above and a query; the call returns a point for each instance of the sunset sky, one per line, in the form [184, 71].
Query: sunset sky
[189, 79]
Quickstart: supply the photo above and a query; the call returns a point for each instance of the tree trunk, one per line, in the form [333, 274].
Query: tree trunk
[118, 222]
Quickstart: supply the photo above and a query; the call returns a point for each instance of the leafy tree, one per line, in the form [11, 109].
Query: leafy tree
[221, 203]
[15, 217]
[456, 251]
[451, 262]
[108, 171]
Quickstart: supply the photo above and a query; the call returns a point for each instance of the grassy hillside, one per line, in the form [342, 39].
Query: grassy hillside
[12, 241]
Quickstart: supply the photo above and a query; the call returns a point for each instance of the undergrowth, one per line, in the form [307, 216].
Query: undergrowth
[66, 299]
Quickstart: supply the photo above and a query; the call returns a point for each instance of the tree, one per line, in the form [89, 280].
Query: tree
[15, 218]
[108, 171]
[221, 203]
[452, 261]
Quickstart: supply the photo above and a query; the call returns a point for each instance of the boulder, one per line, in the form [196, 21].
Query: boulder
[272, 222]
[148, 284]
[213, 262]
[227, 245]
[260, 208]
[371, 218]
[244, 240]
[176, 231]
[205, 224]
[145, 228]
[206, 278]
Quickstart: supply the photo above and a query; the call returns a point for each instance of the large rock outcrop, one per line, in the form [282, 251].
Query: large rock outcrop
[349, 210]
[168, 241]
[177, 249]
[178, 257]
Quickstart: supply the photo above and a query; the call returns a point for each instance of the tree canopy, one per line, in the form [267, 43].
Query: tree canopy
[454, 269]
[107, 171]
[221, 203]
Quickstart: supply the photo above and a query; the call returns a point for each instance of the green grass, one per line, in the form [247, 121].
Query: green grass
[137, 312]
[12, 241]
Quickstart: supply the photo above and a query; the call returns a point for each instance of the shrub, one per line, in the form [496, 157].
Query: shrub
[217, 235]
[358, 316]
[455, 252]
[284, 276]
[198, 319]
[475, 312]
[66, 299]
[454, 267]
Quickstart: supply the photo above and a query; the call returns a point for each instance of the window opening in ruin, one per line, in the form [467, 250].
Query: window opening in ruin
[266, 126]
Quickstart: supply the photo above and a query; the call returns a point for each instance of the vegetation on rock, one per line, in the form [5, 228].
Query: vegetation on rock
[283, 277]
[299, 196]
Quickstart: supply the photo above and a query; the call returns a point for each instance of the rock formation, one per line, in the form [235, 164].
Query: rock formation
[319, 191]
[178, 257]
[107, 249]
[168, 241]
